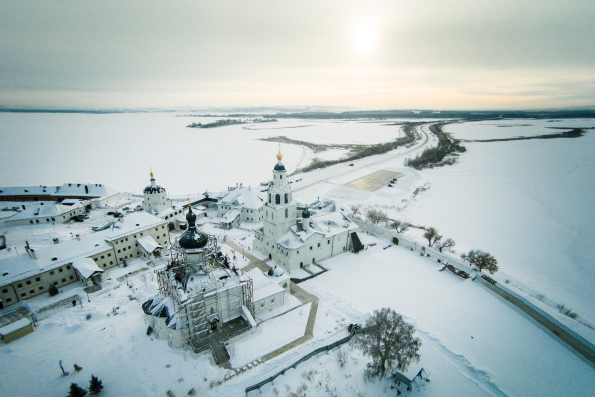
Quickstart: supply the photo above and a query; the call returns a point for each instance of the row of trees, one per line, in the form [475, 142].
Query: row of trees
[477, 258]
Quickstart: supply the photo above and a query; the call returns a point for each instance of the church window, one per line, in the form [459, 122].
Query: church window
[280, 176]
[286, 198]
[278, 199]
[286, 211]
[270, 199]
[318, 245]
[310, 248]
[328, 241]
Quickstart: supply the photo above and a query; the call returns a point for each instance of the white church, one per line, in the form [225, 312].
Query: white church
[155, 202]
[294, 238]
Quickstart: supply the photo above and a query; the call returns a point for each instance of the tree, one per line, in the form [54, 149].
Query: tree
[389, 341]
[376, 216]
[356, 210]
[341, 355]
[432, 236]
[76, 391]
[481, 260]
[399, 226]
[95, 386]
[446, 244]
[54, 290]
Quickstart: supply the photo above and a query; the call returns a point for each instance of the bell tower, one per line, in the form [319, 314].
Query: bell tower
[279, 208]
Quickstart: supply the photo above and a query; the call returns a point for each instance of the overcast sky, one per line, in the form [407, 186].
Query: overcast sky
[437, 54]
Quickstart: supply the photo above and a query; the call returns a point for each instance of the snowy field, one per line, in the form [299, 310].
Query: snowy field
[489, 341]
[529, 203]
[119, 149]
[504, 129]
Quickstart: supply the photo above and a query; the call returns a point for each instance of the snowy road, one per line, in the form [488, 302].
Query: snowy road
[338, 170]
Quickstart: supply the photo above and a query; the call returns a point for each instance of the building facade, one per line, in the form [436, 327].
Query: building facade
[31, 273]
[294, 238]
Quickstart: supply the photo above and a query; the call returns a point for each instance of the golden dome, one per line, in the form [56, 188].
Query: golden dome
[151, 172]
[279, 155]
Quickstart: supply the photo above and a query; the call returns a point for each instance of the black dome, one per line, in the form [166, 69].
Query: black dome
[190, 217]
[192, 239]
[306, 213]
[154, 189]
[279, 167]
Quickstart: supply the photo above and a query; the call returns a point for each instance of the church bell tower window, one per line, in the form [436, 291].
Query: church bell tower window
[278, 199]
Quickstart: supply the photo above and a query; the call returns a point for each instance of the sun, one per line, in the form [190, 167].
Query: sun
[365, 38]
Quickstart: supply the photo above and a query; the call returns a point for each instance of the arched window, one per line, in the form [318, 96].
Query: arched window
[278, 199]
[286, 198]
[270, 199]
[286, 213]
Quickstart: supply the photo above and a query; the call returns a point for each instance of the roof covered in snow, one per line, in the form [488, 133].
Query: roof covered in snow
[243, 197]
[90, 190]
[230, 216]
[43, 209]
[27, 190]
[262, 285]
[135, 222]
[21, 266]
[86, 267]
[327, 225]
[10, 328]
[148, 243]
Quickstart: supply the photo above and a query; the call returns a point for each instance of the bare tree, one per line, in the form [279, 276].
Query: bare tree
[448, 243]
[341, 355]
[356, 210]
[375, 215]
[432, 236]
[481, 260]
[399, 226]
[389, 341]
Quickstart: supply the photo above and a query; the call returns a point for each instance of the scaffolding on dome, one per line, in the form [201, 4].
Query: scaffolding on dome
[200, 308]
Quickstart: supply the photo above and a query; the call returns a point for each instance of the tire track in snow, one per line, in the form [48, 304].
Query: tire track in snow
[463, 365]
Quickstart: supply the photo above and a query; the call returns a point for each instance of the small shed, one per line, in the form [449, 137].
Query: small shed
[149, 247]
[16, 330]
[87, 270]
[409, 376]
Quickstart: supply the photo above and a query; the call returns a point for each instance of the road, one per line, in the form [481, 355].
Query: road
[337, 171]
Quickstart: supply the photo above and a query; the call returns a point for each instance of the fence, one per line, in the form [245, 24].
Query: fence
[301, 360]
[571, 338]
[413, 245]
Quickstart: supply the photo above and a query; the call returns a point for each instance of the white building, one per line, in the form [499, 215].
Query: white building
[240, 205]
[31, 273]
[45, 212]
[155, 198]
[293, 239]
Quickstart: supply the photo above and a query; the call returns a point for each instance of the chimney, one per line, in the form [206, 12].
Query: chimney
[55, 240]
[328, 227]
[24, 207]
[33, 254]
[78, 237]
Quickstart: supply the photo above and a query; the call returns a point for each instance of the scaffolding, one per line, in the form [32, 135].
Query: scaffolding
[200, 312]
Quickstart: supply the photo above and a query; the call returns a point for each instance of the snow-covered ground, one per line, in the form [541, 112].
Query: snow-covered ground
[529, 203]
[119, 149]
[270, 336]
[482, 336]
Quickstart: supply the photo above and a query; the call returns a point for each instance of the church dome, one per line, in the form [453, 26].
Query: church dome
[279, 167]
[154, 189]
[192, 238]
[275, 272]
[306, 213]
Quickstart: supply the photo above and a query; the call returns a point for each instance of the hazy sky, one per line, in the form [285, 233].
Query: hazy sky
[437, 54]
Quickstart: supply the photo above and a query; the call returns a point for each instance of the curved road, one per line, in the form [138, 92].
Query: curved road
[423, 130]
